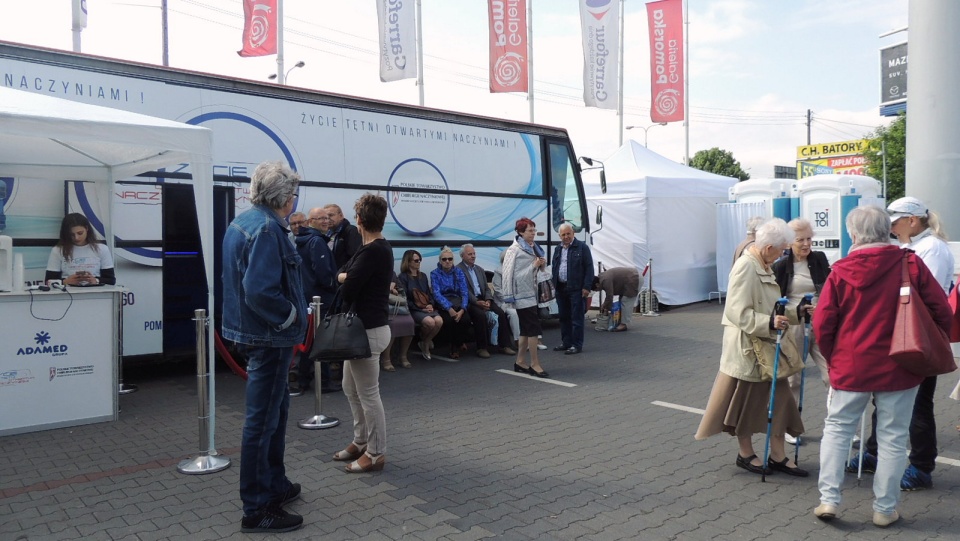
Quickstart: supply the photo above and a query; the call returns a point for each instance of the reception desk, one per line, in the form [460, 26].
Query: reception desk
[59, 354]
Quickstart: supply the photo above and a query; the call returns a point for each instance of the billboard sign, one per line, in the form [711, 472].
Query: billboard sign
[893, 74]
[841, 158]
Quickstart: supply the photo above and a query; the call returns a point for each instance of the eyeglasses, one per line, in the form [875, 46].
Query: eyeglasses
[446, 259]
[414, 260]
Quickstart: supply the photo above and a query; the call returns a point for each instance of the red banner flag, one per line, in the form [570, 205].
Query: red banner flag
[259, 28]
[508, 45]
[665, 19]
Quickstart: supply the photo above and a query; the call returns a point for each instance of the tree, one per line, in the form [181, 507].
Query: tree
[894, 139]
[720, 162]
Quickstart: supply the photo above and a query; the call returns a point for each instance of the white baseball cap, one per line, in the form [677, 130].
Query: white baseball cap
[906, 206]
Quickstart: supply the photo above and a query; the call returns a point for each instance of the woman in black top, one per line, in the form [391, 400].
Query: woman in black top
[800, 271]
[366, 286]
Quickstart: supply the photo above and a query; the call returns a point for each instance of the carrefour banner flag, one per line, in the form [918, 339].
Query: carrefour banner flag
[600, 31]
[508, 45]
[666, 60]
[398, 40]
[259, 28]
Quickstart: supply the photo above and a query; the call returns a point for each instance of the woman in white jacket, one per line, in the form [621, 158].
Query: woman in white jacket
[520, 265]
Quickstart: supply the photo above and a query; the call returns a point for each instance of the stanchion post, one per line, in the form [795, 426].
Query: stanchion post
[318, 420]
[207, 461]
[651, 310]
[123, 388]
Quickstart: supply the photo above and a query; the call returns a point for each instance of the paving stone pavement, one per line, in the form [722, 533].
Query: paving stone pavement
[473, 453]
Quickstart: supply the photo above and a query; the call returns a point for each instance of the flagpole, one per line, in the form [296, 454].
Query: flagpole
[280, 75]
[686, 82]
[530, 56]
[620, 78]
[419, 53]
[165, 36]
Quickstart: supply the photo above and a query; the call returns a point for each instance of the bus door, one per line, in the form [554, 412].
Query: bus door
[184, 279]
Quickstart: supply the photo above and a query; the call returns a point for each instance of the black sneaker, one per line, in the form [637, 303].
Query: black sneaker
[289, 496]
[271, 519]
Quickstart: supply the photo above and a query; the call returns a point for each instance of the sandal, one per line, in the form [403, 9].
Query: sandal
[366, 463]
[352, 452]
[745, 463]
[388, 366]
[454, 354]
[404, 362]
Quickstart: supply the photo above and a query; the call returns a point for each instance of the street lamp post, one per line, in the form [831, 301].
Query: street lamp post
[286, 75]
[645, 128]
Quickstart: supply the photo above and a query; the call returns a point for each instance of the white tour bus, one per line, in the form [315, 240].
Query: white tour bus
[449, 178]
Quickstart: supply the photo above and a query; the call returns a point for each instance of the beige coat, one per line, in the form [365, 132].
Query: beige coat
[752, 292]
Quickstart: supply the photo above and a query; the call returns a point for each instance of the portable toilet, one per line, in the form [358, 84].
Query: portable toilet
[825, 200]
[773, 192]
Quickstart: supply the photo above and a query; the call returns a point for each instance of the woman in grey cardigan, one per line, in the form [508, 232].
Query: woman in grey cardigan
[520, 266]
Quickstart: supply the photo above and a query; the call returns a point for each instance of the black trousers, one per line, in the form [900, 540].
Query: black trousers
[455, 332]
[923, 429]
[481, 332]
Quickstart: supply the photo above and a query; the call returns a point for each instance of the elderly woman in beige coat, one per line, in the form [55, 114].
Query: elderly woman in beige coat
[740, 397]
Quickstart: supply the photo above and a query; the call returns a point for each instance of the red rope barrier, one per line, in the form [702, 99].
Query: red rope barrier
[239, 370]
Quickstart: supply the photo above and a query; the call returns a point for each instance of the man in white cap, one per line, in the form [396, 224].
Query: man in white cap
[918, 229]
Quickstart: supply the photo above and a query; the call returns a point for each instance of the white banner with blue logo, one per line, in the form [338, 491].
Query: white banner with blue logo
[398, 39]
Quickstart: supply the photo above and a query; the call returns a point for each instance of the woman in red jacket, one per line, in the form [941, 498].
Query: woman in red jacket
[853, 324]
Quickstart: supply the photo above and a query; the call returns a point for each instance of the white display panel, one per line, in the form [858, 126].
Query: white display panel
[58, 358]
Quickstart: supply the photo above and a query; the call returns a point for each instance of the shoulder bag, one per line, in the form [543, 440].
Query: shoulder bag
[340, 336]
[545, 289]
[918, 344]
[420, 299]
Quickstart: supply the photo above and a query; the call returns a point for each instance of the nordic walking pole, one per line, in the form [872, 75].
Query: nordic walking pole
[778, 310]
[801, 309]
[863, 443]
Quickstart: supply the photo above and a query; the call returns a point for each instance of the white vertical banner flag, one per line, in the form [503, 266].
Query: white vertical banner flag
[398, 39]
[600, 30]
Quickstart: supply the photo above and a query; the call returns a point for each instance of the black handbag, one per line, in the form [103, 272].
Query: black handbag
[340, 336]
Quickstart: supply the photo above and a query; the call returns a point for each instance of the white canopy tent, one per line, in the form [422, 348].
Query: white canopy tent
[657, 208]
[45, 138]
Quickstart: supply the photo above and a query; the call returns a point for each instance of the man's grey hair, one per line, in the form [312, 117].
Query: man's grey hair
[774, 232]
[315, 212]
[753, 223]
[273, 184]
[464, 247]
[564, 225]
[868, 225]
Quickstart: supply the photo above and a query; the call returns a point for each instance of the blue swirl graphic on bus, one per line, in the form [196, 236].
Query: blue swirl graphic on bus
[154, 253]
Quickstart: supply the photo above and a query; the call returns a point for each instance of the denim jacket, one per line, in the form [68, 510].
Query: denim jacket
[263, 301]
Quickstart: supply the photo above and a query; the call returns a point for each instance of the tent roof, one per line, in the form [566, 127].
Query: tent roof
[633, 160]
[46, 138]
[52, 138]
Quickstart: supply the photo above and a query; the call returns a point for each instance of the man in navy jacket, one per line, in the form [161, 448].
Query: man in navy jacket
[573, 277]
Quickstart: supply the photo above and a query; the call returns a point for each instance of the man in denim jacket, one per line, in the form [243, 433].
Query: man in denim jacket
[265, 313]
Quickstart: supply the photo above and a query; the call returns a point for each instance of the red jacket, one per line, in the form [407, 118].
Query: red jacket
[855, 316]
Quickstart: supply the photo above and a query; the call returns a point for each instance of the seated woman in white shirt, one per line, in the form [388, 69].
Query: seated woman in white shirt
[78, 259]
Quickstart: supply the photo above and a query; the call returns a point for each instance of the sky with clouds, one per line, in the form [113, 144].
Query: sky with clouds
[756, 66]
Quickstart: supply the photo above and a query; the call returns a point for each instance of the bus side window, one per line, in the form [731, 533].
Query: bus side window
[564, 195]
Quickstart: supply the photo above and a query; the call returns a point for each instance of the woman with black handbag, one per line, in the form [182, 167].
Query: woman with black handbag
[365, 280]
